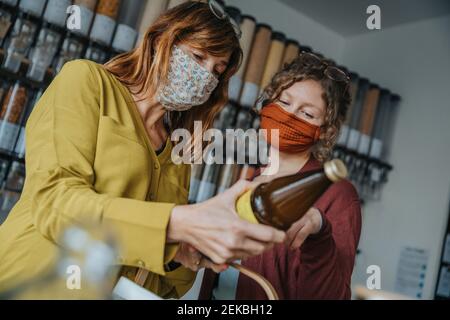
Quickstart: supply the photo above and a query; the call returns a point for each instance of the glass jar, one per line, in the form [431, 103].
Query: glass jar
[11, 113]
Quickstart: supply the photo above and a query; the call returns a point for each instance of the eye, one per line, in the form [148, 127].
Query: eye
[284, 102]
[198, 57]
[308, 115]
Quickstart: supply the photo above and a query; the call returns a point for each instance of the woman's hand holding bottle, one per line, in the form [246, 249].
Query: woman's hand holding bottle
[214, 228]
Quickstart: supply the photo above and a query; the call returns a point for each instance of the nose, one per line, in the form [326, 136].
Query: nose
[209, 64]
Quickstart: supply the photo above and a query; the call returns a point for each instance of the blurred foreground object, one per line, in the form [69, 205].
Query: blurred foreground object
[362, 293]
[129, 290]
[84, 270]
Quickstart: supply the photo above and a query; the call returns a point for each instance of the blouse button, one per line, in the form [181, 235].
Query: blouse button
[141, 263]
[156, 166]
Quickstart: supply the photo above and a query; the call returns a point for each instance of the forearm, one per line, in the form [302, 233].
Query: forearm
[177, 225]
[61, 200]
[327, 259]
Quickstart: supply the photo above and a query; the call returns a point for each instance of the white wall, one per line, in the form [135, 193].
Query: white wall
[412, 60]
[294, 24]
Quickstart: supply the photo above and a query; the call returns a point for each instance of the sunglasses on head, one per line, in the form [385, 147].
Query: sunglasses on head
[219, 11]
[332, 72]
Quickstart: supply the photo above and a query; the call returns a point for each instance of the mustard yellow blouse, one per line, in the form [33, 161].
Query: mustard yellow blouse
[89, 159]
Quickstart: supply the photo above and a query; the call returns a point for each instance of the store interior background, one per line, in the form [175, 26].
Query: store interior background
[410, 55]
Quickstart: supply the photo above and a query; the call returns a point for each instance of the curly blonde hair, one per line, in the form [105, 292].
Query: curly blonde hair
[336, 96]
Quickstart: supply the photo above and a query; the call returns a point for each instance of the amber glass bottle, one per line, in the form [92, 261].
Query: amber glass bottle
[284, 200]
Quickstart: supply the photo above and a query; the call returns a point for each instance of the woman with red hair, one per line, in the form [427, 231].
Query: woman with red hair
[99, 152]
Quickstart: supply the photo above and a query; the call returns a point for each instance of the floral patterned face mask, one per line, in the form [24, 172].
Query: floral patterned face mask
[188, 83]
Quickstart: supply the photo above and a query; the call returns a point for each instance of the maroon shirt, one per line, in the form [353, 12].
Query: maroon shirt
[322, 267]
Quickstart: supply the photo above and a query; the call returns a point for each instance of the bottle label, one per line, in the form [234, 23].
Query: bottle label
[234, 88]
[124, 38]
[103, 29]
[249, 94]
[34, 7]
[8, 135]
[55, 12]
[244, 207]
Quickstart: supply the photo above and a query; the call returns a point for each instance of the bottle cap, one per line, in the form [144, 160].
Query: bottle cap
[335, 170]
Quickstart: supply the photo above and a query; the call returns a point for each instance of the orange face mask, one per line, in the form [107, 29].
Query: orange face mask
[295, 134]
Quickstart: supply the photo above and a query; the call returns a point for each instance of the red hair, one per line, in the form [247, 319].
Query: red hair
[145, 68]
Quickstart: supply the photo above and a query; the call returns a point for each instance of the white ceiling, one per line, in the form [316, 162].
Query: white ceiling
[348, 17]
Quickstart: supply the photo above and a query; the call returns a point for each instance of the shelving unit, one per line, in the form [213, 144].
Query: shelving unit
[12, 164]
[442, 290]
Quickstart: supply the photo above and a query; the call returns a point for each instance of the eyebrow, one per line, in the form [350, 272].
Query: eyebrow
[307, 104]
[287, 94]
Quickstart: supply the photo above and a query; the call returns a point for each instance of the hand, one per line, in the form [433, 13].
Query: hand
[309, 224]
[192, 259]
[215, 229]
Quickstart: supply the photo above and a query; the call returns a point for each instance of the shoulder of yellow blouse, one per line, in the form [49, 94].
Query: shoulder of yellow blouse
[85, 63]
[81, 69]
